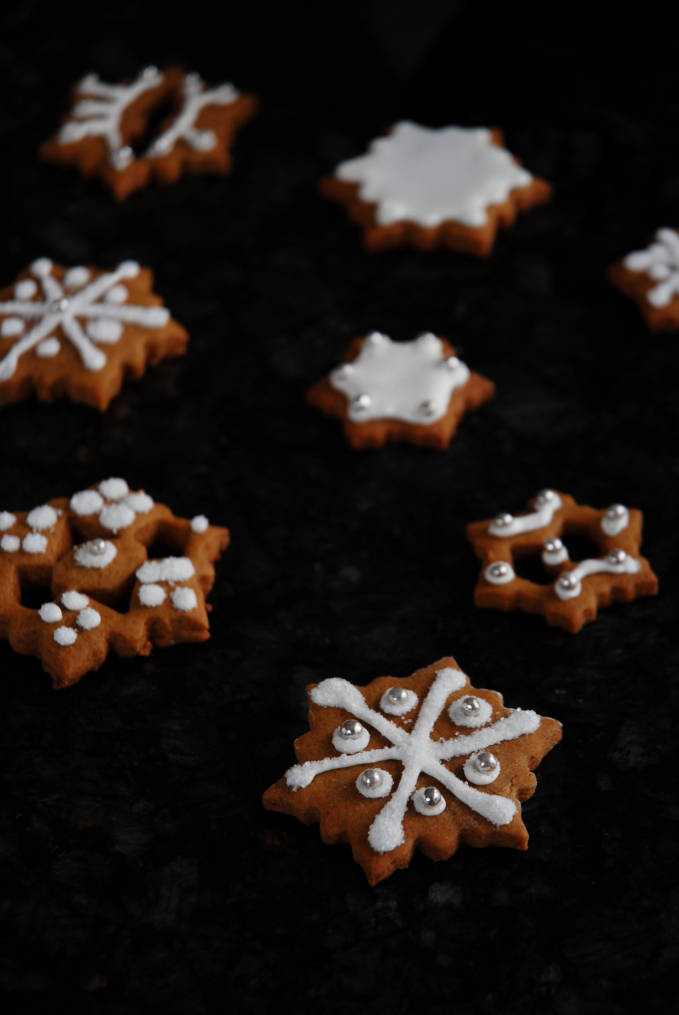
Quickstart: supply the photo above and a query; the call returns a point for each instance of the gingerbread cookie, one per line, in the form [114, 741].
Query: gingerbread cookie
[107, 120]
[450, 187]
[107, 570]
[651, 278]
[399, 764]
[576, 589]
[416, 392]
[79, 332]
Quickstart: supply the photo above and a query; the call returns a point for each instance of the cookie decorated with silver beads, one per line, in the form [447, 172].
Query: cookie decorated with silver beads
[103, 134]
[415, 392]
[574, 590]
[428, 762]
[80, 577]
[650, 277]
[451, 187]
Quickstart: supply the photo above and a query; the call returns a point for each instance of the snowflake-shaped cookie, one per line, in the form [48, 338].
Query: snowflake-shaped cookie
[107, 119]
[575, 589]
[448, 187]
[79, 332]
[108, 569]
[426, 762]
[651, 278]
[414, 391]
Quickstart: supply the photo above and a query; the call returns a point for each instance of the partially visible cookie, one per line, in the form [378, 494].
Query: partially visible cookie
[107, 120]
[651, 278]
[574, 590]
[450, 187]
[107, 570]
[414, 392]
[426, 763]
[80, 332]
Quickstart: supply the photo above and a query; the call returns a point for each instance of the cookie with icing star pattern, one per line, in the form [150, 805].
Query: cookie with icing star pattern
[80, 333]
[650, 277]
[427, 763]
[451, 187]
[415, 392]
[107, 120]
[106, 570]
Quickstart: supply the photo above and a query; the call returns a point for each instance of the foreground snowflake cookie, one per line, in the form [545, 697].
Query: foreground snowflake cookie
[450, 187]
[414, 391]
[428, 761]
[80, 332]
[107, 120]
[107, 570]
[575, 589]
[651, 278]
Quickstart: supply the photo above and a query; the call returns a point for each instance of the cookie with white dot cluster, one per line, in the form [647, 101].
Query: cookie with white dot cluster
[415, 392]
[650, 277]
[103, 135]
[80, 332]
[106, 570]
[573, 590]
[428, 762]
[451, 187]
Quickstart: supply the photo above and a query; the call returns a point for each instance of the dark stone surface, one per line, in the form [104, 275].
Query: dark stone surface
[139, 872]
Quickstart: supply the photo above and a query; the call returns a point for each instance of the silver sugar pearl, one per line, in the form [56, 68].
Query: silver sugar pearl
[451, 362]
[397, 695]
[97, 546]
[568, 583]
[544, 496]
[193, 79]
[149, 72]
[431, 796]
[471, 705]
[59, 306]
[426, 408]
[485, 762]
[121, 157]
[204, 140]
[499, 570]
[503, 520]
[553, 545]
[617, 556]
[616, 511]
[161, 146]
[362, 401]
[371, 778]
[351, 729]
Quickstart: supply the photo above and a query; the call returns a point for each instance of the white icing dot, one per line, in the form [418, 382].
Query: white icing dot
[34, 543]
[398, 707]
[42, 266]
[429, 810]
[477, 715]
[7, 520]
[116, 516]
[128, 269]
[140, 503]
[350, 745]
[199, 523]
[184, 599]
[73, 600]
[76, 277]
[104, 330]
[151, 594]
[10, 544]
[50, 613]
[374, 783]
[85, 557]
[476, 774]
[86, 502]
[25, 289]
[114, 488]
[48, 348]
[169, 569]
[88, 619]
[43, 517]
[11, 326]
[118, 294]
[65, 636]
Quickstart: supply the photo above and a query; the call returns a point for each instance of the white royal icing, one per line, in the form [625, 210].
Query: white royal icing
[116, 517]
[546, 507]
[417, 752]
[50, 613]
[660, 261]
[65, 636]
[554, 556]
[169, 569]
[57, 310]
[99, 109]
[113, 488]
[34, 542]
[151, 594]
[500, 572]
[599, 565]
[199, 523]
[73, 600]
[88, 619]
[10, 544]
[184, 599]
[43, 517]
[412, 381]
[429, 176]
[615, 520]
[195, 96]
[7, 520]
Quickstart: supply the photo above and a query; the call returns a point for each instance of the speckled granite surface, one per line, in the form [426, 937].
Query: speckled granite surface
[139, 872]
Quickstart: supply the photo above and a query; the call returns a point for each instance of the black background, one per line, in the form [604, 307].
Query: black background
[138, 871]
